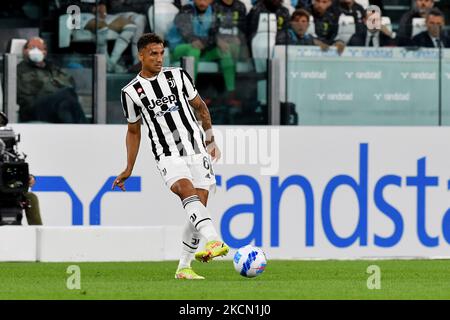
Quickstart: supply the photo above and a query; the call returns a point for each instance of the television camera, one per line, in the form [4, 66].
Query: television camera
[14, 176]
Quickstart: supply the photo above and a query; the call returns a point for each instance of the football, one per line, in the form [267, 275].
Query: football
[250, 261]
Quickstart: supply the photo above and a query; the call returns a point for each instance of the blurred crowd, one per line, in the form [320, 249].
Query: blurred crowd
[223, 31]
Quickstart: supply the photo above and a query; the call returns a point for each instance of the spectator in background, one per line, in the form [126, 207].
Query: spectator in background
[326, 21]
[297, 33]
[434, 37]
[194, 34]
[267, 6]
[231, 41]
[124, 24]
[372, 38]
[44, 92]
[354, 9]
[128, 9]
[404, 33]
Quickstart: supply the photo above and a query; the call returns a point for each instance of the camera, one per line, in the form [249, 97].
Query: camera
[14, 176]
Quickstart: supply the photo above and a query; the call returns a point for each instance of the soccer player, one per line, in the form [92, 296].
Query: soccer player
[163, 98]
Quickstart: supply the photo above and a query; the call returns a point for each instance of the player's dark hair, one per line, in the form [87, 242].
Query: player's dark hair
[148, 38]
[300, 13]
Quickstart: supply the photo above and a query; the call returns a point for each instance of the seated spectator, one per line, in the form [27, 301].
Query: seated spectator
[326, 21]
[267, 6]
[128, 9]
[372, 38]
[354, 9]
[45, 92]
[435, 36]
[32, 210]
[194, 35]
[404, 33]
[231, 41]
[297, 31]
[128, 25]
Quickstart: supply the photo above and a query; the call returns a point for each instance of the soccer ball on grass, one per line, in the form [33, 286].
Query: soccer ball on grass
[250, 261]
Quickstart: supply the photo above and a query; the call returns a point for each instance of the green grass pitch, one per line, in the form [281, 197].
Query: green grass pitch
[400, 279]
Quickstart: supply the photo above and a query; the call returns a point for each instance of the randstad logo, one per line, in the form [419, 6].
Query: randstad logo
[316, 220]
[360, 187]
[164, 100]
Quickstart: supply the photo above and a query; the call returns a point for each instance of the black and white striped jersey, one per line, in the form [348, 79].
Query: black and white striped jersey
[163, 103]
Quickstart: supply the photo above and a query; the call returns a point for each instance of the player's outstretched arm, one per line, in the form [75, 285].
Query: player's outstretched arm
[133, 141]
[203, 115]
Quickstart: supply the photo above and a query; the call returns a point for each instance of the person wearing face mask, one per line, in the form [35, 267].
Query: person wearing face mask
[44, 92]
[405, 26]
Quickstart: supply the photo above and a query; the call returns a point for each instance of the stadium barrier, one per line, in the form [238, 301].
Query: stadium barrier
[298, 192]
[396, 86]
[89, 244]
[18, 243]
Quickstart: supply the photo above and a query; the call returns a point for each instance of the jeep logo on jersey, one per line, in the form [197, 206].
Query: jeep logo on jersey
[164, 100]
[175, 107]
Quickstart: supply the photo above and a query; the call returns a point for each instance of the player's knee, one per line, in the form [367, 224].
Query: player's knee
[183, 188]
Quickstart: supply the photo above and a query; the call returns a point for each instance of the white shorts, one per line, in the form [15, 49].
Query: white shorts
[197, 168]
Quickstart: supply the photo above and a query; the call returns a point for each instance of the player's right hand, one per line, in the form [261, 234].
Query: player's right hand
[120, 180]
[213, 151]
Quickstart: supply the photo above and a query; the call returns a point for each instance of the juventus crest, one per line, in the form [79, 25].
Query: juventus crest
[171, 82]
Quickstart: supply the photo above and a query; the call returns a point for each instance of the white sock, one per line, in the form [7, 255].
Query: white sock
[200, 218]
[190, 241]
[122, 42]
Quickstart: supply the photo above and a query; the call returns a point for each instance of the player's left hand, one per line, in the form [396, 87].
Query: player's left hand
[120, 180]
[213, 151]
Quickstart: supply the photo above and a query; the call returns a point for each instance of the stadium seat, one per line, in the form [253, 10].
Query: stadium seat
[263, 42]
[163, 16]
[346, 27]
[363, 3]
[16, 46]
[418, 25]
[67, 35]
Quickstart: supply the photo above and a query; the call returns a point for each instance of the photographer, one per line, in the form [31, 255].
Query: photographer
[15, 181]
[32, 210]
